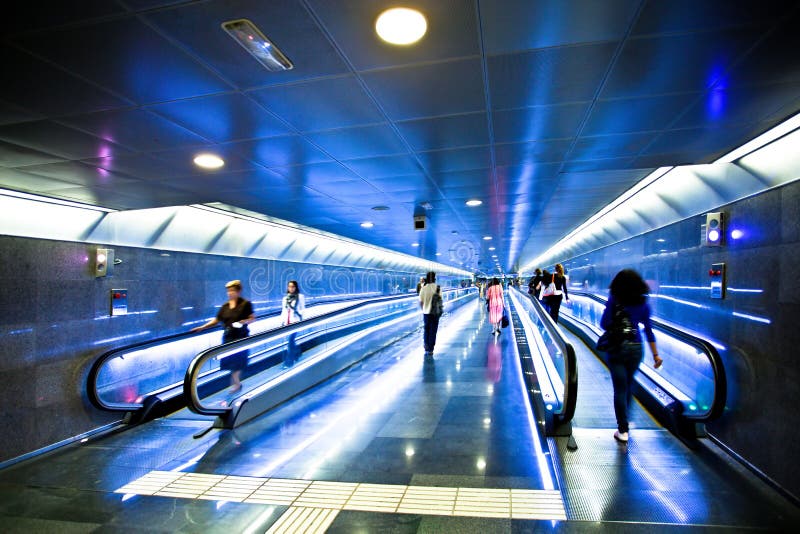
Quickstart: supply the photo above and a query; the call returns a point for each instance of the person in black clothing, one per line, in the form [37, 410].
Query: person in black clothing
[535, 284]
[555, 290]
[420, 284]
[235, 314]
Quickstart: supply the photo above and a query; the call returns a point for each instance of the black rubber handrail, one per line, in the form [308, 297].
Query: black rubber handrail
[570, 361]
[720, 379]
[94, 371]
[190, 380]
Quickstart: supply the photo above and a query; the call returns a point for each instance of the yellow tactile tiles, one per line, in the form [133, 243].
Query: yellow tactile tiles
[308, 498]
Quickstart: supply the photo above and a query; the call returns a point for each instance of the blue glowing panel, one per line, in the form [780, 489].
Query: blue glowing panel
[739, 105]
[136, 129]
[548, 76]
[525, 24]
[223, 118]
[609, 146]
[412, 182]
[527, 153]
[317, 173]
[538, 123]
[636, 114]
[262, 180]
[429, 90]
[446, 132]
[459, 159]
[127, 56]
[463, 178]
[320, 104]
[452, 31]
[674, 63]
[285, 23]
[359, 142]
[280, 151]
[383, 166]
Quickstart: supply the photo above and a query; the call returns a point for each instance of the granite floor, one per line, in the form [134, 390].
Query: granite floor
[396, 420]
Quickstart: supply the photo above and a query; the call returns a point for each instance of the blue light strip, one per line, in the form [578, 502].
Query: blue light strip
[755, 318]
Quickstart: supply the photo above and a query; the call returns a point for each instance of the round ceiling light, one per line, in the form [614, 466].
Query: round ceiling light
[401, 26]
[367, 224]
[209, 161]
[473, 202]
[487, 238]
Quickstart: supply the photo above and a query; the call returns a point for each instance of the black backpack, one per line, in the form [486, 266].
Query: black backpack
[622, 330]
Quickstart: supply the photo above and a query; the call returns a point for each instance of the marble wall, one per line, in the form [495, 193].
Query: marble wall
[54, 319]
[756, 322]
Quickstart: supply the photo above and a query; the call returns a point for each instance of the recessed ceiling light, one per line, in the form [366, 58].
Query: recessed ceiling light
[474, 202]
[256, 43]
[414, 244]
[491, 248]
[208, 161]
[487, 238]
[380, 208]
[438, 253]
[401, 26]
[367, 224]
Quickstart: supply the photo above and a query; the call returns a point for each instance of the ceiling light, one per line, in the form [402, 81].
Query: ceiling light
[438, 253]
[491, 248]
[209, 161]
[262, 49]
[414, 244]
[474, 202]
[380, 208]
[401, 26]
[487, 238]
[367, 224]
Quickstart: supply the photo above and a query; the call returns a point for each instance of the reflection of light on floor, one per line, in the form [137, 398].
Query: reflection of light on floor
[659, 486]
[258, 524]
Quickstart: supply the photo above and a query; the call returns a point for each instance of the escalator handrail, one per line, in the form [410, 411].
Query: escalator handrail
[94, 371]
[570, 398]
[192, 371]
[717, 366]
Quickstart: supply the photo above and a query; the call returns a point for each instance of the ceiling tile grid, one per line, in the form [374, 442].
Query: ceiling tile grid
[509, 101]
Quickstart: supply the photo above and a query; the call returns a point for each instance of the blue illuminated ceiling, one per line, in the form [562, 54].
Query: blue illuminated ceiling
[545, 110]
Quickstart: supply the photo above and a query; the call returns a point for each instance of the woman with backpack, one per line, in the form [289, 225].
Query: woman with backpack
[626, 309]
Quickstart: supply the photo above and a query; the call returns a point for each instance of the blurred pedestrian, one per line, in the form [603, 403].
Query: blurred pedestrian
[292, 310]
[494, 296]
[235, 314]
[430, 300]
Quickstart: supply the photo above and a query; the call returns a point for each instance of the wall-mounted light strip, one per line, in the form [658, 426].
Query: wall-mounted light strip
[50, 200]
[786, 127]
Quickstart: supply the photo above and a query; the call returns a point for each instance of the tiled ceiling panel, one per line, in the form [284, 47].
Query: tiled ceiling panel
[545, 110]
[527, 24]
[223, 118]
[320, 104]
[128, 57]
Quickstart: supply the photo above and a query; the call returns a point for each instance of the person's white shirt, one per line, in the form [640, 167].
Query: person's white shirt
[292, 315]
[426, 296]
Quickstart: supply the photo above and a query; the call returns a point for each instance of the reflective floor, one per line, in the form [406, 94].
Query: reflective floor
[439, 446]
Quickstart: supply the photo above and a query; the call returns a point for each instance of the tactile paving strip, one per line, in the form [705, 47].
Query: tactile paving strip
[308, 498]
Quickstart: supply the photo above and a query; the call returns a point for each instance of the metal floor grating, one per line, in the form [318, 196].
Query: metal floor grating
[309, 496]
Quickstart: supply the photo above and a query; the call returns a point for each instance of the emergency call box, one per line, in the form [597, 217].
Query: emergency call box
[717, 275]
[119, 302]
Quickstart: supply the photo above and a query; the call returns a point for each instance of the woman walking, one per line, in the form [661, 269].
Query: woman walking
[235, 314]
[292, 310]
[555, 291]
[494, 296]
[627, 302]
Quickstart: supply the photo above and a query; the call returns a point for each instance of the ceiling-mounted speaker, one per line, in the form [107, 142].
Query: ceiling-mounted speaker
[420, 222]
